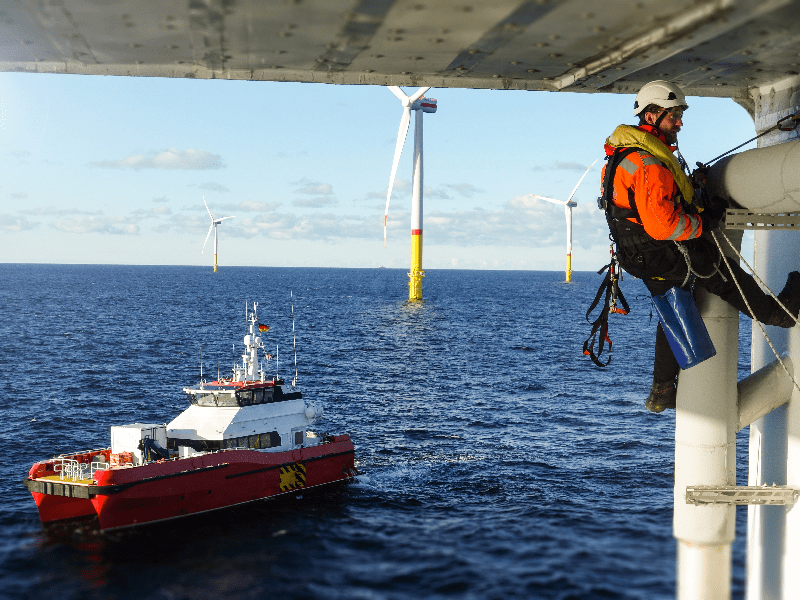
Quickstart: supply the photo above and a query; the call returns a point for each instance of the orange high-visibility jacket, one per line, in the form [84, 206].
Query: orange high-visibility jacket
[644, 178]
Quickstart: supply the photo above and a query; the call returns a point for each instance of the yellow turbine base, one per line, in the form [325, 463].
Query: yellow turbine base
[215, 263]
[569, 268]
[416, 274]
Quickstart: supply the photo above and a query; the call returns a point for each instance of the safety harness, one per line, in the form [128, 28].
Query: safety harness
[613, 295]
[599, 334]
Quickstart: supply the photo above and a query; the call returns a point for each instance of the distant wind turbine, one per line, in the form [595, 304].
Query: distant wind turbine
[214, 223]
[421, 105]
[568, 206]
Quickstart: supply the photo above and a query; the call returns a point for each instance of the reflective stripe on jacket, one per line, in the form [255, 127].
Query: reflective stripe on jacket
[644, 179]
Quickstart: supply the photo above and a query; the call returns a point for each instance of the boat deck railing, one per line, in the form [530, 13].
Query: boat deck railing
[70, 469]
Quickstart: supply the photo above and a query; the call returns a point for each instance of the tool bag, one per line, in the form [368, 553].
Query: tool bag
[684, 327]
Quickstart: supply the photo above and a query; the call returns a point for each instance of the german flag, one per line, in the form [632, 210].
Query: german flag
[263, 328]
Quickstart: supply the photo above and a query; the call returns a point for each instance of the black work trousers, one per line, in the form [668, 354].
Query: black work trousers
[661, 266]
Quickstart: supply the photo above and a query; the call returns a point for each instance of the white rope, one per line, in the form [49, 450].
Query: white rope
[747, 304]
[690, 271]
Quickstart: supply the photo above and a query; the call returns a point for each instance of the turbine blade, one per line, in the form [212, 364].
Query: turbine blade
[553, 200]
[417, 95]
[223, 218]
[580, 180]
[209, 211]
[402, 132]
[401, 95]
[208, 234]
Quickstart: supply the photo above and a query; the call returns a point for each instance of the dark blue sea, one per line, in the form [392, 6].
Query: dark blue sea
[499, 462]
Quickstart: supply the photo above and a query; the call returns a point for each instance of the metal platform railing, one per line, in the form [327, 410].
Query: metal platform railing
[741, 495]
[747, 219]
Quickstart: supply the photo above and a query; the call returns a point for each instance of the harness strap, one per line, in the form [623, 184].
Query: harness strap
[606, 203]
[600, 324]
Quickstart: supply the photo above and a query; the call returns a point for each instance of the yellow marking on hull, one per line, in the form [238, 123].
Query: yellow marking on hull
[293, 477]
[57, 478]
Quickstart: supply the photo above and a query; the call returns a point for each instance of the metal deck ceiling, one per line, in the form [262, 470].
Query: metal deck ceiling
[711, 47]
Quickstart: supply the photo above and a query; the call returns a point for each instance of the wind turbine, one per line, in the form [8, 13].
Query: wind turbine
[214, 223]
[421, 105]
[568, 206]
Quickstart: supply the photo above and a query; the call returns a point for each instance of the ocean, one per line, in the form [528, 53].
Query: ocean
[498, 462]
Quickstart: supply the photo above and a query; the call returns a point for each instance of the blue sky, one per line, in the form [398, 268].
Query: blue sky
[114, 170]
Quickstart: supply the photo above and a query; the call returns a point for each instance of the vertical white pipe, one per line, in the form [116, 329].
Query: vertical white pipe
[705, 454]
[416, 196]
[791, 548]
[774, 255]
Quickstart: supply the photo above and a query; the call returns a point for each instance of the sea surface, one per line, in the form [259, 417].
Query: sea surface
[498, 462]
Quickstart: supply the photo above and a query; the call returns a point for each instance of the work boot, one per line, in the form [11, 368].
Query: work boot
[790, 298]
[662, 396]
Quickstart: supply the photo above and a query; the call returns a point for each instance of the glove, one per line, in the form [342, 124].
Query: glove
[700, 176]
[713, 213]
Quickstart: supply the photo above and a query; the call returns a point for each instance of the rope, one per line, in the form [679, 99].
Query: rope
[778, 125]
[747, 304]
[690, 271]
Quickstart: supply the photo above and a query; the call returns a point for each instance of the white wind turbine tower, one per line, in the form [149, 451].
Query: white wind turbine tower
[214, 223]
[568, 206]
[422, 105]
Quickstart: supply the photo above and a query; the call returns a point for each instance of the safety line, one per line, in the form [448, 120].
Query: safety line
[752, 315]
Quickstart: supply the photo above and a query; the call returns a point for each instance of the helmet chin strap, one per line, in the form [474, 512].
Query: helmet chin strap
[663, 114]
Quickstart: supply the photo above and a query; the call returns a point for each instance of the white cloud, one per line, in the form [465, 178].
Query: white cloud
[254, 206]
[313, 188]
[52, 211]
[11, 223]
[561, 166]
[171, 158]
[19, 195]
[213, 187]
[465, 189]
[402, 187]
[314, 202]
[112, 225]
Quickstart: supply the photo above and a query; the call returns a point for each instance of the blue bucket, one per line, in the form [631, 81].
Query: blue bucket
[686, 333]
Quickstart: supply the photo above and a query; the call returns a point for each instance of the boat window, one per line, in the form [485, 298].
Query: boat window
[245, 397]
[213, 399]
[258, 441]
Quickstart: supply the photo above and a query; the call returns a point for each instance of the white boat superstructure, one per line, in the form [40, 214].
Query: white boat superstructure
[246, 410]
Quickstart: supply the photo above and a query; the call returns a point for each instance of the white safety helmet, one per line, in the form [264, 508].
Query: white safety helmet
[661, 93]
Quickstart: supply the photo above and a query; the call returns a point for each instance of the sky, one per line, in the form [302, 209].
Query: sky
[114, 170]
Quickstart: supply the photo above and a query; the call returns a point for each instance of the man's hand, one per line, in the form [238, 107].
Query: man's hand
[713, 213]
[700, 176]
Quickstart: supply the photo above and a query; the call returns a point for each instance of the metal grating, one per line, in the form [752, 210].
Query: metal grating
[746, 219]
[732, 494]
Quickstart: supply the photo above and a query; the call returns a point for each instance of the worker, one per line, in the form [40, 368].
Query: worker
[660, 227]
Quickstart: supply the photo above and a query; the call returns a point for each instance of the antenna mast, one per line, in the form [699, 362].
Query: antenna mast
[294, 340]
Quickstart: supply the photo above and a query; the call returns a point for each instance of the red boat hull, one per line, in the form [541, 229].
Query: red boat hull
[123, 497]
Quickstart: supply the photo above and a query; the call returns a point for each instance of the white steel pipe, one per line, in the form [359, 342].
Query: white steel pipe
[417, 179]
[775, 256]
[765, 390]
[791, 548]
[705, 454]
[701, 569]
[762, 180]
